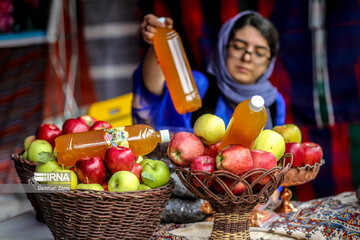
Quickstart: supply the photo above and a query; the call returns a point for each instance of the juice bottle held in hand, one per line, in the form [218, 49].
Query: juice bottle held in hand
[247, 121]
[141, 139]
[176, 69]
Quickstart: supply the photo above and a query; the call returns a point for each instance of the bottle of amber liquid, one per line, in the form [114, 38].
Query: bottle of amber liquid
[176, 69]
[141, 139]
[247, 121]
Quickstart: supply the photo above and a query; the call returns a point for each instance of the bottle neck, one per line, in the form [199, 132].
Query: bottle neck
[255, 109]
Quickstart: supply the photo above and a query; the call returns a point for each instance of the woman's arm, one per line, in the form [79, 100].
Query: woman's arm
[153, 77]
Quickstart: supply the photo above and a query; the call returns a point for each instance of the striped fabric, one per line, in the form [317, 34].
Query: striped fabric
[322, 93]
[22, 78]
[318, 71]
[32, 84]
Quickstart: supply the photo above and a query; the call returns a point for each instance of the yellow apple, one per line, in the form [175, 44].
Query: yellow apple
[209, 128]
[270, 141]
[290, 132]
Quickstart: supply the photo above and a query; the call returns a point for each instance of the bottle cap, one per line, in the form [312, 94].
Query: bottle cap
[256, 103]
[165, 136]
[162, 19]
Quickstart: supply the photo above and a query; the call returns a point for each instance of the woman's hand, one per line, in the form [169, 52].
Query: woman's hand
[149, 25]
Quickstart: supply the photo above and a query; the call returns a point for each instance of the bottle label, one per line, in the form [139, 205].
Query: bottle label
[117, 137]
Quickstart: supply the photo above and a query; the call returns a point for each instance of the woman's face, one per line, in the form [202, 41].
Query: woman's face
[248, 55]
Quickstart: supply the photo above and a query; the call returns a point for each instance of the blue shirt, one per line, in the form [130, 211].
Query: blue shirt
[159, 111]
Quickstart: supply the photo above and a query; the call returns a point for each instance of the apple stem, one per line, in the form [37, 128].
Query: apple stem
[150, 166]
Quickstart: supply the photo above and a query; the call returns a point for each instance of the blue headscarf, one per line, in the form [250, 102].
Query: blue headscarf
[230, 89]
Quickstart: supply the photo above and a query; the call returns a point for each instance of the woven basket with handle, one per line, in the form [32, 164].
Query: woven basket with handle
[25, 169]
[88, 214]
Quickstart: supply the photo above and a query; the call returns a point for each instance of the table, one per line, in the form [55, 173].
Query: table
[335, 217]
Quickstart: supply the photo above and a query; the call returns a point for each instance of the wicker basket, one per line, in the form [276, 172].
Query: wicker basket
[25, 169]
[296, 176]
[87, 214]
[232, 212]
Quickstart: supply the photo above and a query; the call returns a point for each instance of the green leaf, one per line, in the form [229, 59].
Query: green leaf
[139, 159]
[148, 176]
[45, 157]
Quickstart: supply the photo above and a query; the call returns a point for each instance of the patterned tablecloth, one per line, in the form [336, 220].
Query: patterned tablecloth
[336, 217]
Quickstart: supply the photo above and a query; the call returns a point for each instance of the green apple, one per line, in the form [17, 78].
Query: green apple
[290, 132]
[123, 181]
[50, 166]
[25, 155]
[270, 141]
[90, 186]
[73, 178]
[55, 152]
[47, 167]
[36, 147]
[143, 187]
[28, 140]
[209, 128]
[155, 173]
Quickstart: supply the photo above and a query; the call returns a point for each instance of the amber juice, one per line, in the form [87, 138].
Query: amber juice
[176, 69]
[142, 139]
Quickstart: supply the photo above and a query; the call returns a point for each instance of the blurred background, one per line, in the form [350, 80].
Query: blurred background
[57, 58]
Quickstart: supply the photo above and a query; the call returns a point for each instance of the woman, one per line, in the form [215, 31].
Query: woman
[239, 68]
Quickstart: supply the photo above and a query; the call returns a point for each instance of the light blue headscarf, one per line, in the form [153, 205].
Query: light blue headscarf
[229, 88]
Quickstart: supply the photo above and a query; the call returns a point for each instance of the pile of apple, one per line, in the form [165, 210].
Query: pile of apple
[119, 171]
[199, 151]
[304, 153]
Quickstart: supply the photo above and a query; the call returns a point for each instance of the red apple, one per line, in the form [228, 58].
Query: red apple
[91, 170]
[105, 186]
[87, 119]
[265, 160]
[203, 163]
[211, 150]
[119, 159]
[237, 189]
[313, 153]
[297, 152]
[137, 169]
[100, 125]
[73, 125]
[184, 147]
[235, 158]
[48, 132]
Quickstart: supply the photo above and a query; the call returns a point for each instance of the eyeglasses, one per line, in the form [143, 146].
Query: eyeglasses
[259, 55]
